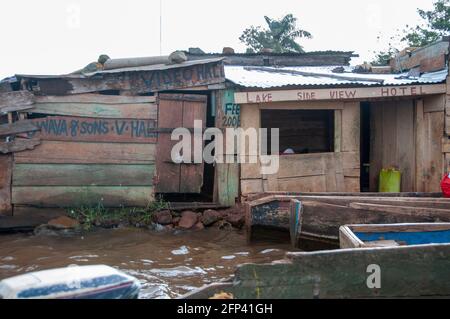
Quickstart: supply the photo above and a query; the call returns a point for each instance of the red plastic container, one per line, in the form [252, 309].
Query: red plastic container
[445, 185]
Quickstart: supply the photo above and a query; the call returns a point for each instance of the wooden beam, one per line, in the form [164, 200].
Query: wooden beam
[82, 175]
[70, 196]
[17, 128]
[86, 129]
[90, 98]
[55, 152]
[18, 145]
[337, 94]
[5, 184]
[15, 101]
[344, 274]
[173, 77]
[122, 111]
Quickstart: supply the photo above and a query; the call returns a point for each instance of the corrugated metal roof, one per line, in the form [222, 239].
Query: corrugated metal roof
[258, 78]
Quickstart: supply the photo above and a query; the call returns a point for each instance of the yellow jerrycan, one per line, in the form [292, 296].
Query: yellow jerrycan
[390, 180]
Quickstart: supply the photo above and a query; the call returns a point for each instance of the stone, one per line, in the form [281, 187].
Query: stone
[177, 57]
[198, 226]
[188, 219]
[228, 50]
[103, 58]
[196, 51]
[47, 230]
[176, 220]
[210, 216]
[237, 220]
[223, 225]
[63, 222]
[163, 218]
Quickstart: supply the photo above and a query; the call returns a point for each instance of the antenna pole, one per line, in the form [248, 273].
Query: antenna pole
[160, 27]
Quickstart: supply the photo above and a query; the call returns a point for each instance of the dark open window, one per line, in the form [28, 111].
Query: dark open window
[301, 131]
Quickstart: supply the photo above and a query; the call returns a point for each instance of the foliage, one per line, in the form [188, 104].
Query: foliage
[280, 36]
[437, 24]
[383, 57]
[97, 215]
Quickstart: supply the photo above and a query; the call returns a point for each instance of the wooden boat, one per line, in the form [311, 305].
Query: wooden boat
[392, 235]
[344, 273]
[320, 217]
[78, 282]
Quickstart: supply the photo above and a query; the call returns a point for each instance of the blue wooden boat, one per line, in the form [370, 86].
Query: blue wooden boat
[393, 235]
[77, 282]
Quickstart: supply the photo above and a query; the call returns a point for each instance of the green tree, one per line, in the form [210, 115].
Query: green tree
[280, 36]
[383, 57]
[436, 25]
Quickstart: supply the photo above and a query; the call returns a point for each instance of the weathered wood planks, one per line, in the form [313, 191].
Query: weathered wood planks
[17, 128]
[140, 80]
[178, 110]
[72, 196]
[316, 172]
[344, 274]
[424, 55]
[26, 218]
[54, 152]
[393, 132]
[18, 145]
[121, 111]
[84, 129]
[16, 101]
[5, 184]
[91, 98]
[338, 94]
[322, 215]
[82, 175]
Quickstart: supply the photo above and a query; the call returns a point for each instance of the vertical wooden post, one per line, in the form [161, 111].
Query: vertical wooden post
[421, 156]
[5, 184]
[337, 131]
[226, 184]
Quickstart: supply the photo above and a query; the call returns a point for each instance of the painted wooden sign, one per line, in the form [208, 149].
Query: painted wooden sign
[186, 75]
[63, 128]
[231, 111]
[338, 94]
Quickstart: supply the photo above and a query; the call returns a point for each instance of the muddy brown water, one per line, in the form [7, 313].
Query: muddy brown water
[167, 264]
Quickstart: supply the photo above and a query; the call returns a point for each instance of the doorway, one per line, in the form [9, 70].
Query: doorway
[365, 147]
[184, 181]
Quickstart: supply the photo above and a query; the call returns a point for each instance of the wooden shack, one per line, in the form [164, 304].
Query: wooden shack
[342, 128]
[103, 136]
[84, 139]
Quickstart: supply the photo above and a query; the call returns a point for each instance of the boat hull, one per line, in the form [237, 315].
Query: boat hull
[345, 274]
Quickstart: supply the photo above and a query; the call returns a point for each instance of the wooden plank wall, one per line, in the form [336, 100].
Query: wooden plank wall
[407, 135]
[321, 172]
[392, 144]
[95, 149]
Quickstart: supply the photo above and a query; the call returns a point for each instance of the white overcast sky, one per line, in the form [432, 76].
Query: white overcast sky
[60, 36]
